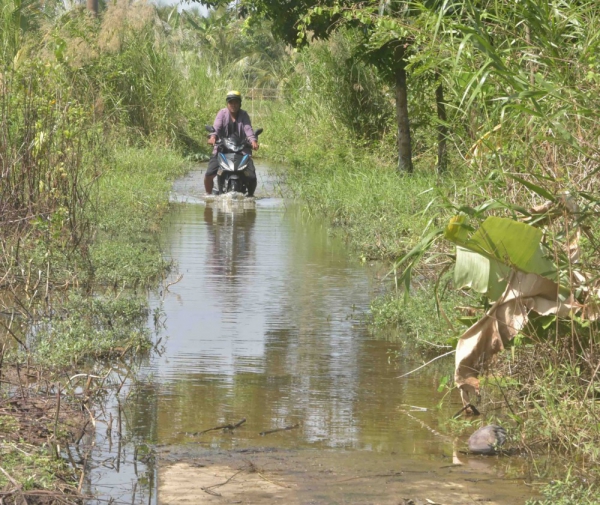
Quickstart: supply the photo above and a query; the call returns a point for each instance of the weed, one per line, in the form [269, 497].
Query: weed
[131, 200]
[8, 424]
[417, 318]
[32, 468]
[569, 491]
[86, 329]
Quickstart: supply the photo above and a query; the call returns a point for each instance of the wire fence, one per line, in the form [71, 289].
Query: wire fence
[258, 100]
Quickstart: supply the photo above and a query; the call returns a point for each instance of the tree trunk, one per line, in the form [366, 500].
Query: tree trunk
[442, 162]
[404, 143]
[92, 6]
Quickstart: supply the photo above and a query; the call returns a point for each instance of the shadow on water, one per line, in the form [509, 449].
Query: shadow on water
[265, 324]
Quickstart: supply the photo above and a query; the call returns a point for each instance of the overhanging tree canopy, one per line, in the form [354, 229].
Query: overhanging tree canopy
[385, 30]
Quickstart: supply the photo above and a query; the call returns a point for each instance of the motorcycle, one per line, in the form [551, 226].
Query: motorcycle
[232, 162]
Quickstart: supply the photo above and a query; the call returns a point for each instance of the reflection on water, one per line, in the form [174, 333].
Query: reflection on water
[265, 324]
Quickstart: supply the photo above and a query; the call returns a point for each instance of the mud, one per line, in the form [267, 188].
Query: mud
[327, 477]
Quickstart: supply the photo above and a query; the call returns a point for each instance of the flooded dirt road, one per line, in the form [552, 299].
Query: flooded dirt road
[264, 321]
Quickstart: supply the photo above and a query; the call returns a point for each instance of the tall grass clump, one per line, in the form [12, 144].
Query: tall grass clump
[334, 127]
[131, 199]
[523, 81]
[45, 183]
[73, 90]
[79, 205]
[122, 66]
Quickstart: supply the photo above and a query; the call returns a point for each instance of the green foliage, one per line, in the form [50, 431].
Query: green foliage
[32, 469]
[520, 82]
[46, 136]
[123, 67]
[132, 197]
[484, 260]
[92, 328]
[347, 88]
[16, 17]
[569, 491]
[511, 242]
[8, 424]
[418, 319]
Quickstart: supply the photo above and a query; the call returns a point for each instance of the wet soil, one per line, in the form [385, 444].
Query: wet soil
[37, 409]
[37, 418]
[327, 477]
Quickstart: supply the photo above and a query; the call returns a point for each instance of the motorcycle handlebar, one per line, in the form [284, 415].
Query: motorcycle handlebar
[211, 129]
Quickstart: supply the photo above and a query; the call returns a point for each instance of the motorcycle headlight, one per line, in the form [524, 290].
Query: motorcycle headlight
[244, 163]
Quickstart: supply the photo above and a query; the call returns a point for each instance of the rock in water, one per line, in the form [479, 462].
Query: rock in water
[487, 440]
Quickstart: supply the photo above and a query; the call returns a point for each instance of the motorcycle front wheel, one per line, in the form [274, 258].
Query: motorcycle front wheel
[234, 185]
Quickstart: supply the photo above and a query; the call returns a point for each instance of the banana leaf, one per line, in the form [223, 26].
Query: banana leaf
[484, 260]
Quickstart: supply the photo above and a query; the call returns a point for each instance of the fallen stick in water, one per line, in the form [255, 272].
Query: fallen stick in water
[229, 427]
[467, 406]
[263, 433]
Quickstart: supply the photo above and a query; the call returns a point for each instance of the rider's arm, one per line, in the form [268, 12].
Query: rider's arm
[249, 131]
[248, 128]
[220, 124]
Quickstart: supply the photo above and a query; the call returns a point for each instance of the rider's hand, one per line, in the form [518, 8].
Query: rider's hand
[212, 139]
[255, 145]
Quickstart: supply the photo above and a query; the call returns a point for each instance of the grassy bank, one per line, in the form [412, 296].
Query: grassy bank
[132, 197]
[97, 113]
[504, 162]
[93, 133]
[74, 332]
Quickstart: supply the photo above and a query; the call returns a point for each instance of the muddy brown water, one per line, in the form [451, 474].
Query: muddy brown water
[263, 320]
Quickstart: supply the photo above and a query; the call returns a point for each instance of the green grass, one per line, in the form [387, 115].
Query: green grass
[87, 329]
[569, 491]
[32, 468]
[132, 198]
[380, 212]
[417, 319]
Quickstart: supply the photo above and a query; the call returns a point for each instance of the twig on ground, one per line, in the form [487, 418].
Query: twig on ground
[424, 425]
[208, 489]
[174, 282]
[57, 414]
[82, 432]
[592, 381]
[7, 475]
[84, 375]
[13, 335]
[272, 482]
[433, 344]
[394, 474]
[504, 395]
[466, 407]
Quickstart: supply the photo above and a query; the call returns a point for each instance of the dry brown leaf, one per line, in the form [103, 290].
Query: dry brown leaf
[488, 336]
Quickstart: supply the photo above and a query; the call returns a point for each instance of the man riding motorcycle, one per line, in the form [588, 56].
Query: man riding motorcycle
[232, 120]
